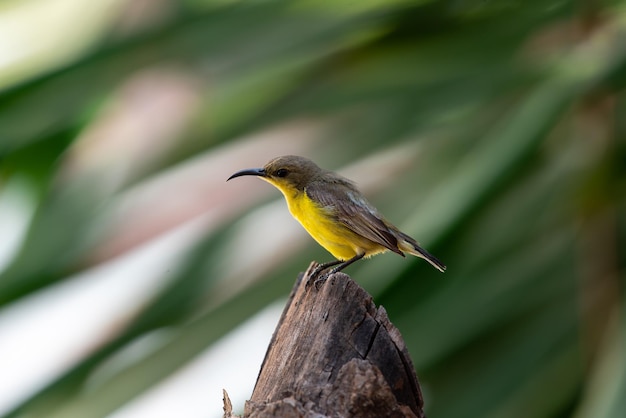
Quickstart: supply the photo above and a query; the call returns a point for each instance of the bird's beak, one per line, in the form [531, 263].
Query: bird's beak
[249, 172]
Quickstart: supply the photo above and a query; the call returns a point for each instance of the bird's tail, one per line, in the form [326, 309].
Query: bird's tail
[408, 244]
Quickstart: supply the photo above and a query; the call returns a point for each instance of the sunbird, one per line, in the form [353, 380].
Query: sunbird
[333, 211]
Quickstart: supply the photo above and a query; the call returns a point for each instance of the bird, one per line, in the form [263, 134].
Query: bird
[335, 213]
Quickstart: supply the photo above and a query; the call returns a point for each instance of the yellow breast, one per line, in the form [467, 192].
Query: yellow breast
[319, 222]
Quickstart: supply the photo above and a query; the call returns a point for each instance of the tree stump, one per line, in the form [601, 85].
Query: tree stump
[334, 354]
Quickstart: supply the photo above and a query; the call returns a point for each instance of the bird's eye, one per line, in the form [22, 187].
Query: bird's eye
[282, 172]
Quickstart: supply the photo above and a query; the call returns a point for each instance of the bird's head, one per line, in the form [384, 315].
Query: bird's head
[290, 173]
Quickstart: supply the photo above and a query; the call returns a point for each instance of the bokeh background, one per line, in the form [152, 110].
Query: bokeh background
[134, 281]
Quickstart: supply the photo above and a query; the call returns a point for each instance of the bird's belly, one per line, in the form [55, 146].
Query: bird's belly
[336, 238]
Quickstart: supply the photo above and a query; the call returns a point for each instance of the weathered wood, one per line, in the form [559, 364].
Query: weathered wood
[228, 406]
[335, 354]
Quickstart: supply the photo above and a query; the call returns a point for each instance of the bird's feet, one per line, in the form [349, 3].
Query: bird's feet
[317, 270]
[319, 281]
[317, 277]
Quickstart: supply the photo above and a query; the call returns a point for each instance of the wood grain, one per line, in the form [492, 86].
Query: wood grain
[335, 354]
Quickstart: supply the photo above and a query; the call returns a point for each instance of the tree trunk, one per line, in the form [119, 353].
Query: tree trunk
[334, 354]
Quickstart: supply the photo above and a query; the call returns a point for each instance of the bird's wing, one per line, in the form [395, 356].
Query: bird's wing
[352, 210]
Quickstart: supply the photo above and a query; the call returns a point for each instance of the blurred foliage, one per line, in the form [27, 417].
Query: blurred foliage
[518, 110]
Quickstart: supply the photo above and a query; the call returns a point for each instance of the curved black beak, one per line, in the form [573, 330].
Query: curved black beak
[249, 172]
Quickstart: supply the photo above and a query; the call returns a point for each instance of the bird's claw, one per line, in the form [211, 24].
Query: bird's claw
[315, 278]
[320, 281]
[316, 271]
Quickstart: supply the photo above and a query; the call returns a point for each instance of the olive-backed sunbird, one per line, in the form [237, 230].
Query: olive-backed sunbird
[335, 213]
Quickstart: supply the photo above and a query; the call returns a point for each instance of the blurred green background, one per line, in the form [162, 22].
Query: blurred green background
[491, 131]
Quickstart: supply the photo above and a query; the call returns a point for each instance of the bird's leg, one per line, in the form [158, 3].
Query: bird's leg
[321, 267]
[342, 265]
[346, 263]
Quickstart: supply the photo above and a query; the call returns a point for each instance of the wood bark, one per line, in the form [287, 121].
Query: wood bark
[335, 354]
